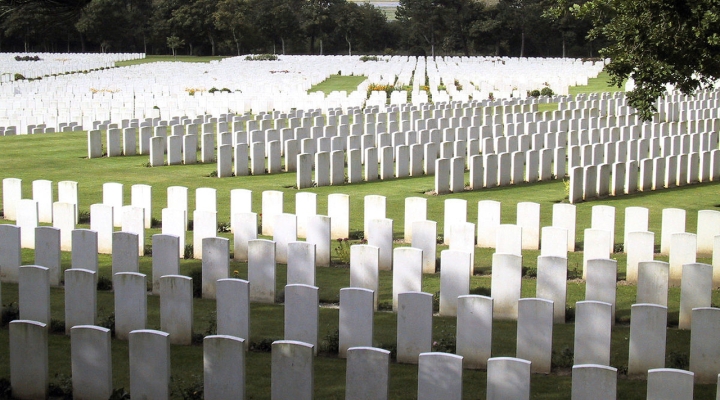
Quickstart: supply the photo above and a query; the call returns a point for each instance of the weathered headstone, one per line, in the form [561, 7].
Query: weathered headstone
[130, 303]
[224, 367]
[91, 362]
[292, 374]
[34, 293]
[29, 371]
[80, 298]
[474, 330]
[593, 381]
[508, 378]
[176, 308]
[367, 374]
[648, 331]
[440, 376]
[414, 326]
[149, 364]
[261, 270]
[593, 322]
[302, 314]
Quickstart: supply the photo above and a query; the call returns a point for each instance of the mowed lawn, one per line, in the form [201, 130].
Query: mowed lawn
[62, 156]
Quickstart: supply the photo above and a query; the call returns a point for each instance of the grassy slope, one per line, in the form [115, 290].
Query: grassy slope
[61, 157]
[165, 58]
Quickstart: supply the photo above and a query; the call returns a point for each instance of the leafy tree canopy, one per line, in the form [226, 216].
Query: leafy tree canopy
[657, 43]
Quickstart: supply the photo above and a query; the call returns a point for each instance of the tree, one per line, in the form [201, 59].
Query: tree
[657, 43]
[230, 17]
[104, 22]
[173, 42]
[422, 19]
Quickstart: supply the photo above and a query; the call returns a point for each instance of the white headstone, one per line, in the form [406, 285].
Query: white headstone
[150, 364]
[292, 374]
[414, 326]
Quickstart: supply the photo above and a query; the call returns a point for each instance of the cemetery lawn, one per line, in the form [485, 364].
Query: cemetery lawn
[168, 58]
[61, 156]
[338, 83]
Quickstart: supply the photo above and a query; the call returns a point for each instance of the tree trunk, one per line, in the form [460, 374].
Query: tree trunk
[522, 43]
[237, 42]
[282, 41]
[212, 44]
[563, 43]
[321, 47]
[347, 39]
[191, 49]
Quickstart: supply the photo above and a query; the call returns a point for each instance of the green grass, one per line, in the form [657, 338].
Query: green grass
[61, 156]
[166, 58]
[338, 83]
[597, 85]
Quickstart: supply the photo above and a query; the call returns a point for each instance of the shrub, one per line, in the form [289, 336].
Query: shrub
[445, 343]
[331, 343]
[196, 275]
[189, 389]
[104, 283]
[564, 359]
[677, 360]
[223, 227]
[534, 93]
[369, 58]
[262, 57]
[189, 252]
[264, 345]
[83, 217]
[19, 77]
[10, 312]
[27, 58]
[546, 91]
[61, 387]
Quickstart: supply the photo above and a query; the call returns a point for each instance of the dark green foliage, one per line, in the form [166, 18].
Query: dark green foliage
[57, 326]
[119, 394]
[190, 388]
[196, 275]
[10, 312]
[444, 342]
[104, 283]
[61, 387]
[262, 57]
[188, 252]
[264, 345]
[563, 359]
[677, 360]
[5, 389]
[656, 43]
[331, 343]
[27, 58]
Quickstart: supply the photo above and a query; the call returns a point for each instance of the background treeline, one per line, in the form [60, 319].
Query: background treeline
[231, 27]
